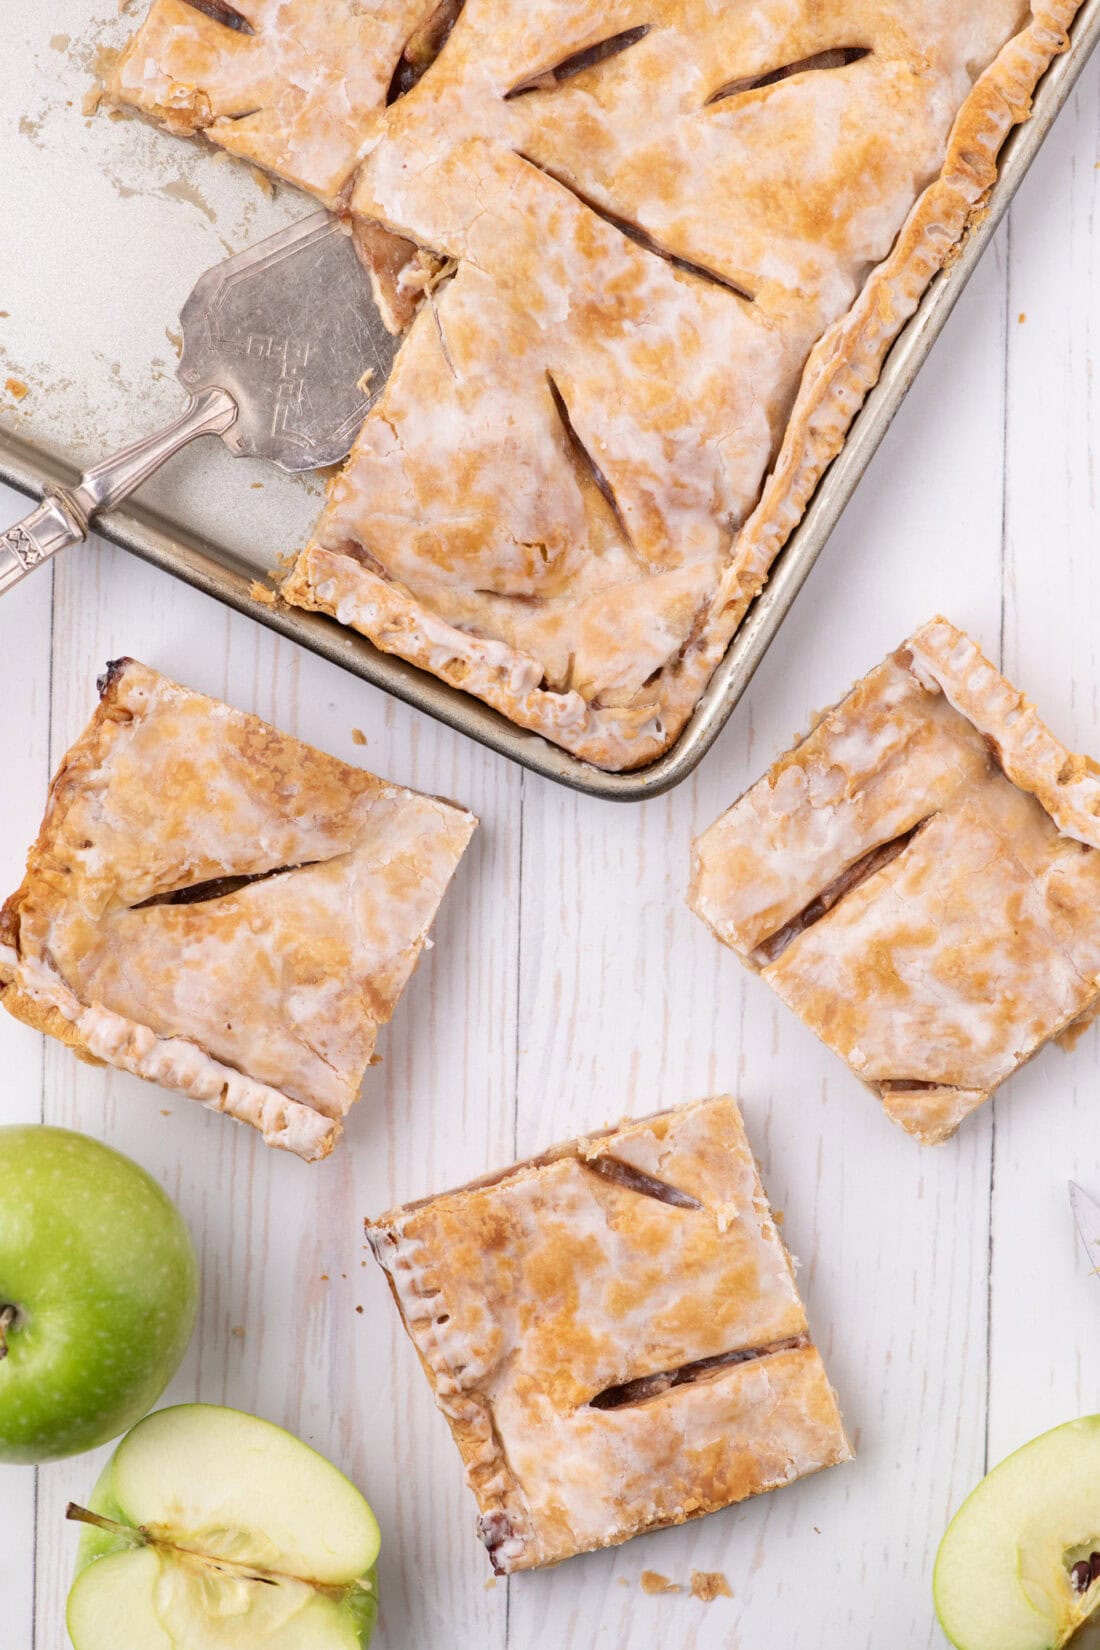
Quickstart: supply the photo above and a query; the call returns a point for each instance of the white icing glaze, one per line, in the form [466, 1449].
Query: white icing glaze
[948, 966]
[530, 1294]
[270, 991]
[176, 1063]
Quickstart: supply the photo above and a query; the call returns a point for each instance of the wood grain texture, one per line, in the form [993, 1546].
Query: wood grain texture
[570, 985]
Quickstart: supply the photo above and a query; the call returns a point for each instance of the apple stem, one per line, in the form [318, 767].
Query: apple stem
[7, 1318]
[81, 1515]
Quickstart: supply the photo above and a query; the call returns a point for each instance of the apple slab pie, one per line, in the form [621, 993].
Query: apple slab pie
[648, 255]
[919, 880]
[613, 1333]
[222, 909]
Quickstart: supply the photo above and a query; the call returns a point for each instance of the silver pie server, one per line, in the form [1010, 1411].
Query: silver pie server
[283, 353]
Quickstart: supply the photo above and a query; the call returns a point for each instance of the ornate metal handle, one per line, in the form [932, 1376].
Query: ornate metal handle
[62, 518]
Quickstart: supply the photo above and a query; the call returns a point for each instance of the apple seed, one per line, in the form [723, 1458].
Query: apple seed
[1082, 1575]
[8, 1315]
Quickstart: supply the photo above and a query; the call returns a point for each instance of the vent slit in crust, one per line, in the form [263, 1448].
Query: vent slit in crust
[645, 1387]
[771, 949]
[641, 237]
[546, 79]
[221, 12]
[217, 887]
[422, 48]
[586, 460]
[636, 1180]
[837, 57]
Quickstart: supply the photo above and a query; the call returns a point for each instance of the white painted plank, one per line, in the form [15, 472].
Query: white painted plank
[629, 1004]
[1045, 1338]
[280, 1242]
[25, 649]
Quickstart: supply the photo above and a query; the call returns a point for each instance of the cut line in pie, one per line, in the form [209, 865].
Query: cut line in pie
[222, 909]
[616, 1350]
[919, 880]
[703, 225]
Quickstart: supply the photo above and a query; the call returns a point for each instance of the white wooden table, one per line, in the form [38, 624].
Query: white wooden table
[570, 985]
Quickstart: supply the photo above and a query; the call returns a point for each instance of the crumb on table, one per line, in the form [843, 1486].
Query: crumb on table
[260, 593]
[358, 737]
[709, 1584]
[16, 387]
[654, 1582]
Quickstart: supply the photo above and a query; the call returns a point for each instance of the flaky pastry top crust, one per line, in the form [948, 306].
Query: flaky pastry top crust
[535, 1296]
[311, 886]
[667, 279]
[919, 880]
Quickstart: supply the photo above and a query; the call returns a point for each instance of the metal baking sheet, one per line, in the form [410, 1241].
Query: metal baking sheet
[107, 224]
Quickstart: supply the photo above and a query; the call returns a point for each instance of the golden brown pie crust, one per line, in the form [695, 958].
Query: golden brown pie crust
[676, 272]
[222, 909]
[614, 1335]
[919, 880]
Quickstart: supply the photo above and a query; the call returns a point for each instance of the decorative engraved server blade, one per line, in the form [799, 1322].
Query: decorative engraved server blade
[284, 351]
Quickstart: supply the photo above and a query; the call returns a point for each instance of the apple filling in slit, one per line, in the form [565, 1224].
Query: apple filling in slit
[875, 860]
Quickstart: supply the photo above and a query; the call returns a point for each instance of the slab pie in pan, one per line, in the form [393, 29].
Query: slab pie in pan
[648, 260]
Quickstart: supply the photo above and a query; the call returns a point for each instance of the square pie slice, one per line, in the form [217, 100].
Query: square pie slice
[614, 1335]
[650, 258]
[220, 908]
[919, 880]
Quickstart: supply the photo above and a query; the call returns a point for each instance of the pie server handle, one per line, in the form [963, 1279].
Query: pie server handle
[63, 516]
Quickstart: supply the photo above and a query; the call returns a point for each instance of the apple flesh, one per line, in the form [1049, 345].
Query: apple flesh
[98, 1290]
[1013, 1571]
[213, 1530]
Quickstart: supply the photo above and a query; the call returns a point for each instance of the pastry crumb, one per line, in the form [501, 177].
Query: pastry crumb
[165, 1111]
[654, 1582]
[363, 383]
[359, 1309]
[778, 1216]
[490, 1584]
[60, 42]
[260, 593]
[358, 737]
[709, 1584]
[16, 387]
[238, 1330]
[1022, 317]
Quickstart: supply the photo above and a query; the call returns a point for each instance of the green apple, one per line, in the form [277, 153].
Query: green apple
[1019, 1566]
[213, 1530]
[98, 1289]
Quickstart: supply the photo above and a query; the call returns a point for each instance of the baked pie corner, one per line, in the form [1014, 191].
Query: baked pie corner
[613, 1333]
[919, 880]
[222, 909]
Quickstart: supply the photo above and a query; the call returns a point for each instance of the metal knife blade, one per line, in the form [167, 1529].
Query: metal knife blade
[1086, 1213]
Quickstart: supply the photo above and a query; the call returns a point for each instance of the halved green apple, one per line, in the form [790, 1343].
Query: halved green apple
[1013, 1571]
[212, 1530]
